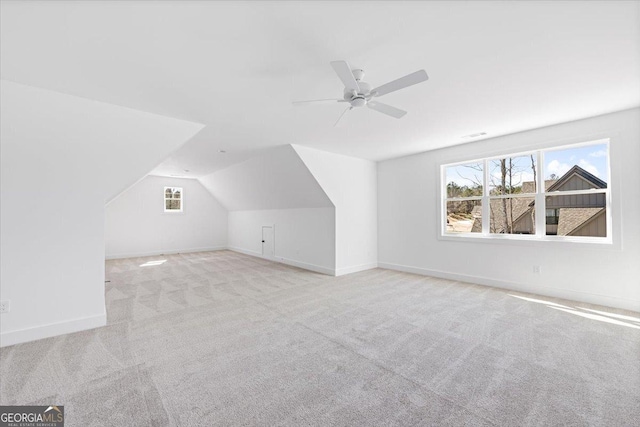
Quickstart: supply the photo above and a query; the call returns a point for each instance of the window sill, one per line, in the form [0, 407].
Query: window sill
[531, 240]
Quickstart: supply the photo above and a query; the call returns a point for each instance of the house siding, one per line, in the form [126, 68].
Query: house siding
[576, 201]
[577, 183]
[525, 224]
[597, 226]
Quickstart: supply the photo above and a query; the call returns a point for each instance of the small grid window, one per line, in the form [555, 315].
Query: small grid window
[553, 216]
[173, 199]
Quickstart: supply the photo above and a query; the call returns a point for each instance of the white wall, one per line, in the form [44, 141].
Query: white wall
[274, 179]
[351, 185]
[276, 188]
[303, 237]
[62, 157]
[408, 221]
[136, 224]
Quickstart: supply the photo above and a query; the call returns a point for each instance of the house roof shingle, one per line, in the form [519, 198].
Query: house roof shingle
[569, 219]
[577, 170]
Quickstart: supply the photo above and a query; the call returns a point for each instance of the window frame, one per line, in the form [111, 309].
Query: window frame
[539, 197]
[165, 198]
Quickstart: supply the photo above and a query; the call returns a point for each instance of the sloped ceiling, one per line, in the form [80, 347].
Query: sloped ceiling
[495, 67]
[108, 145]
[275, 179]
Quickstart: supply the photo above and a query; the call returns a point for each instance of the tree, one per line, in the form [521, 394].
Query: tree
[453, 189]
[533, 168]
[506, 180]
[503, 174]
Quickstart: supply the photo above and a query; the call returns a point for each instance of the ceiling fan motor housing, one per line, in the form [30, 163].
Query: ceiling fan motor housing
[359, 94]
[358, 99]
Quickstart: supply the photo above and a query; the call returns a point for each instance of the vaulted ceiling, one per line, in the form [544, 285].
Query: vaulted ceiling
[276, 178]
[494, 67]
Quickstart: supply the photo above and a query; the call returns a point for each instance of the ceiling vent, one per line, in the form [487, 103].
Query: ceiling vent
[474, 135]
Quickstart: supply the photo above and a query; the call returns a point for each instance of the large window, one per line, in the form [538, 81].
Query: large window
[173, 199]
[553, 194]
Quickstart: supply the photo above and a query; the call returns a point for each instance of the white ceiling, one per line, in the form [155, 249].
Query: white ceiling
[125, 144]
[494, 67]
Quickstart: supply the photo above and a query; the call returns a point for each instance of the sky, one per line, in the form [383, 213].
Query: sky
[592, 158]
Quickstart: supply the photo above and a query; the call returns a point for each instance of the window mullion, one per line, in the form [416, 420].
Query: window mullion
[486, 211]
[443, 200]
[540, 213]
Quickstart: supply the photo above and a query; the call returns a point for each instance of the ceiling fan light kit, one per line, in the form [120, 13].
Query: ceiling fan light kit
[359, 93]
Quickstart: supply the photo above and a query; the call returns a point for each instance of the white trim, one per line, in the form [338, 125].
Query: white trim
[164, 252]
[586, 297]
[531, 240]
[294, 263]
[305, 266]
[246, 252]
[52, 330]
[540, 202]
[463, 199]
[355, 268]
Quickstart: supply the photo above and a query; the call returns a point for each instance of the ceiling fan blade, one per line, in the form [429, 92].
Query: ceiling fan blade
[386, 109]
[343, 71]
[317, 101]
[401, 83]
[343, 113]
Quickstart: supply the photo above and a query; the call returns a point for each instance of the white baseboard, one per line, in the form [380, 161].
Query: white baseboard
[586, 297]
[164, 252]
[292, 262]
[355, 268]
[245, 251]
[52, 330]
[306, 266]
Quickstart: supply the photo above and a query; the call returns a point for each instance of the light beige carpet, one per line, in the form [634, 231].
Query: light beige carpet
[220, 338]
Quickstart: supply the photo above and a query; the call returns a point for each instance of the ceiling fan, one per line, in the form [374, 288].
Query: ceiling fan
[358, 93]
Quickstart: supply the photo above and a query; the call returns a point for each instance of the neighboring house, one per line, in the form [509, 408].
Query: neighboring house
[566, 215]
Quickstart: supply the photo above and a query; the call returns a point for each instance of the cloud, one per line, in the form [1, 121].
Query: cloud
[557, 168]
[599, 153]
[584, 164]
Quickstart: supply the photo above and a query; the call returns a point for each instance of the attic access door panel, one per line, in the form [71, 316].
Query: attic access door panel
[268, 242]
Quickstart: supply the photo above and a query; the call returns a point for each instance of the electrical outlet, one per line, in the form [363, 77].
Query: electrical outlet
[5, 306]
[537, 269]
